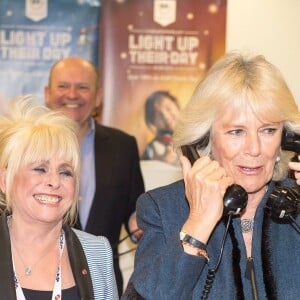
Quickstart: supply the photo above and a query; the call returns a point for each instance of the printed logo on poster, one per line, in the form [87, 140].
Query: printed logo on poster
[36, 10]
[164, 12]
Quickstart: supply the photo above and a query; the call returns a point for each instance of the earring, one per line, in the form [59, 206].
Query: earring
[278, 159]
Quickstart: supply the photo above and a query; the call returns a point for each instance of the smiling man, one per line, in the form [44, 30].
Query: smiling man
[73, 88]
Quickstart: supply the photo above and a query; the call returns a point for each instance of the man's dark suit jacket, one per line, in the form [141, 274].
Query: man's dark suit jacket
[119, 182]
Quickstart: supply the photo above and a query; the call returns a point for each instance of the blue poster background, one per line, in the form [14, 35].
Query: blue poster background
[28, 48]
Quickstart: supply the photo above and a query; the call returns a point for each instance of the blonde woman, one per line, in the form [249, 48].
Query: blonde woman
[234, 122]
[41, 256]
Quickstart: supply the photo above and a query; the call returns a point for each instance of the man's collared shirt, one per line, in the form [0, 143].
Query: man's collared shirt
[87, 177]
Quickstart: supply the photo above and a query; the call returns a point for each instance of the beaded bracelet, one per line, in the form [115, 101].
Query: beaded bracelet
[200, 252]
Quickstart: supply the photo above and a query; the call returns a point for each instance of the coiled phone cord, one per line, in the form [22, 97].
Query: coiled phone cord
[212, 272]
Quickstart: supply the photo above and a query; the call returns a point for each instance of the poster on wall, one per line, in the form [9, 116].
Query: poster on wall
[34, 34]
[153, 54]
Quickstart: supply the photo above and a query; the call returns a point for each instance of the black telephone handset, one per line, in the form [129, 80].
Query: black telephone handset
[290, 141]
[284, 202]
[235, 198]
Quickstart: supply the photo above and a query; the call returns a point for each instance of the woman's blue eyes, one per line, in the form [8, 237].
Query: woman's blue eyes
[62, 172]
[67, 173]
[268, 130]
[236, 132]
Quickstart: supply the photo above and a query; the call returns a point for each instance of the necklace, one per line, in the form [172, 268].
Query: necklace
[247, 225]
[56, 293]
[27, 268]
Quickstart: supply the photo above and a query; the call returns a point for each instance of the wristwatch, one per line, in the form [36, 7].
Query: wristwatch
[186, 238]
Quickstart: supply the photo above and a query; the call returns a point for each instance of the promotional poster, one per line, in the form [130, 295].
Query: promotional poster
[153, 54]
[35, 34]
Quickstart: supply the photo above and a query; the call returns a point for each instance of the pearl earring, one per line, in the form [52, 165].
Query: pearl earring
[278, 159]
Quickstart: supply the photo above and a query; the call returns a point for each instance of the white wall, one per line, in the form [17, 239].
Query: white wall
[271, 28]
[268, 27]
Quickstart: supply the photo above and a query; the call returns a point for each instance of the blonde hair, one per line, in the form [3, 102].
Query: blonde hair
[32, 133]
[234, 82]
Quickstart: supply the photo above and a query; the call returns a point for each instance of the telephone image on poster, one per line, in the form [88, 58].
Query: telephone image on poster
[161, 111]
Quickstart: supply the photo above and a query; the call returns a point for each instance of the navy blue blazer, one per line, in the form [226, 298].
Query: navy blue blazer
[162, 270]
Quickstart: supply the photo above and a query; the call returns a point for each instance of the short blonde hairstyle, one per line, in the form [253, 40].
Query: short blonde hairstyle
[32, 133]
[234, 82]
